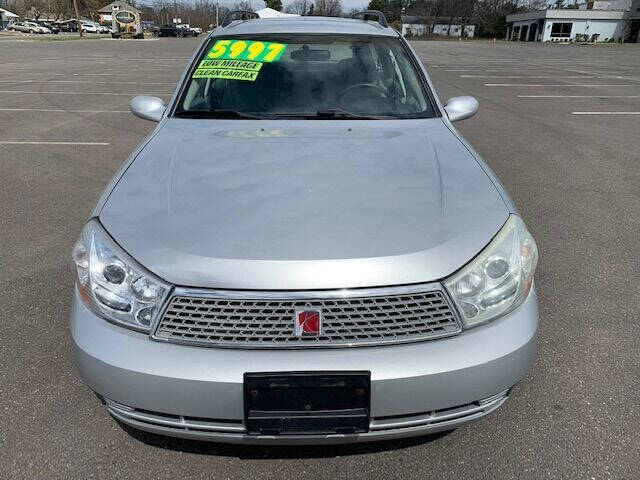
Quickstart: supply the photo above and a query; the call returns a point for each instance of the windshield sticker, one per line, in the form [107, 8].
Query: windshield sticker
[247, 50]
[228, 69]
[238, 59]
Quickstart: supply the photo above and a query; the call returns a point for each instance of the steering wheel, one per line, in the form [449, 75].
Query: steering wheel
[359, 86]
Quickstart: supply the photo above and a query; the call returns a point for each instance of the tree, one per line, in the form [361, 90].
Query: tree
[328, 8]
[299, 7]
[491, 16]
[392, 9]
[275, 4]
[244, 5]
[380, 5]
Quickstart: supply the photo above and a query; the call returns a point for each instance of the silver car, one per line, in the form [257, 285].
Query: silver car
[304, 250]
[29, 27]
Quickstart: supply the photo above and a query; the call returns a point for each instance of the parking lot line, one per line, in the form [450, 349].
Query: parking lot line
[88, 82]
[578, 96]
[555, 85]
[524, 76]
[605, 113]
[36, 92]
[60, 110]
[123, 74]
[92, 144]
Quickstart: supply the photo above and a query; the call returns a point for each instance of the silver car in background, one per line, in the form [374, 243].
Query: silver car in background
[304, 250]
[29, 27]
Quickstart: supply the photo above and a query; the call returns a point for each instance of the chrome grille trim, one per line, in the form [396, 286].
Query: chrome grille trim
[352, 317]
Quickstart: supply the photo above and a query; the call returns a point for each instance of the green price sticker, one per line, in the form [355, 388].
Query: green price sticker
[247, 50]
[228, 69]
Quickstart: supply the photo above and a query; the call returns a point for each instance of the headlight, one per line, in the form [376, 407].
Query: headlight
[112, 284]
[497, 280]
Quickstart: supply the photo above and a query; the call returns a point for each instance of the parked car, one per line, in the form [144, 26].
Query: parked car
[304, 250]
[68, 26]
[174, 31]
[90, 27]
[192, 31]
[29, 27]
[104, 29]
[49, 25]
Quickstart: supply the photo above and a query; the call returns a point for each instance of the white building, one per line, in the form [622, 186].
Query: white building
[565, 25]
[7, 17]
[606, 5]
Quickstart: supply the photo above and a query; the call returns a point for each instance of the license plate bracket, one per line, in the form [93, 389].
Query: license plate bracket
[307, 403]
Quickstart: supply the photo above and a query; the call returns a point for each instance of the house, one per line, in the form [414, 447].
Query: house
[105, 13]
[596, 21]
[7, 17]
[445, 26]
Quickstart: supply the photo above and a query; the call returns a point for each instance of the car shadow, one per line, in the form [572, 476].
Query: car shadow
[255, 452]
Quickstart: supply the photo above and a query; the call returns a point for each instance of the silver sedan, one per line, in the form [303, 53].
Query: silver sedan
[304, 250]
[29, 27]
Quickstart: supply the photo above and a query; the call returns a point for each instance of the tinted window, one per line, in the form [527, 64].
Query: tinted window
[562, 30]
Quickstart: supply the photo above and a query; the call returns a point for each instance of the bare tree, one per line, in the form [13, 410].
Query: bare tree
[244, 5]
[300, 7]
[328, 8]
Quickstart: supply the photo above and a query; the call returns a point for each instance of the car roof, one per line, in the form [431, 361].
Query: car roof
[307, 24]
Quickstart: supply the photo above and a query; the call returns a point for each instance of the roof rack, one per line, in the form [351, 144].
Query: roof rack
[379, 16]
[238, 15]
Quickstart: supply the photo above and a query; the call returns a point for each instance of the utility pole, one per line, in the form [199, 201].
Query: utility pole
[217, 14]
[75, 6]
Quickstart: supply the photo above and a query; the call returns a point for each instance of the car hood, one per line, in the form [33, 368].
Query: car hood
[303, 205]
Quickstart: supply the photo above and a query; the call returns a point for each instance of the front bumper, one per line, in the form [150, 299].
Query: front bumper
[194, 392]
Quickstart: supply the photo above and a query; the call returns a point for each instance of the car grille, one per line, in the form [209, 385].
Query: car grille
[348, 320]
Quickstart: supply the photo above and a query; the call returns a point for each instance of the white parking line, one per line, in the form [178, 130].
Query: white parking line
[605, 113]
[84, 93]
[60, 110]
[85, 57]
[521, 76]
[122, 74]
[553, 85]
[90, 82]
[98, 144]
[578, 96]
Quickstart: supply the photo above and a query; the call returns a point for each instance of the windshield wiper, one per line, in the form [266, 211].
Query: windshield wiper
[218, 113]
[338, 113]
[330, 114]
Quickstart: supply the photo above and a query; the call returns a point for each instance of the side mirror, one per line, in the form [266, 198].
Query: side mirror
[147, 108]
[460, 108]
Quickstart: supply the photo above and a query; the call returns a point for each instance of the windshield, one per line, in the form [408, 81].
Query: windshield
[304, 76]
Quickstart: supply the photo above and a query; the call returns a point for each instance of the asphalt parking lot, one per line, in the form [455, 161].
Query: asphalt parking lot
[549, 125]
